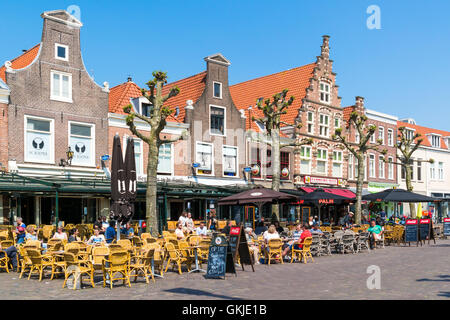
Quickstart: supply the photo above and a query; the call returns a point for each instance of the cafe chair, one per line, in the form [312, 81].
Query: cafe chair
[117, 264]
[274, 250]
[4, 261]
[176, 258]
[363, 242]
[39, 263]
[82, 267]
[142, 266]
[304, 253]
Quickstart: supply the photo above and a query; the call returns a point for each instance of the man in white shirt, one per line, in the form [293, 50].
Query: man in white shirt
[201, 230]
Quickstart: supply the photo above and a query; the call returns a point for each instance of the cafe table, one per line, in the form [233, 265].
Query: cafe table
[197, 267]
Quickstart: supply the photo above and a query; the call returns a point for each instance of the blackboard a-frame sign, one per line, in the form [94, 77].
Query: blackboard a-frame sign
[426, 231]
[446, 226]
[220, 259]
[238, 243]
[412, 231]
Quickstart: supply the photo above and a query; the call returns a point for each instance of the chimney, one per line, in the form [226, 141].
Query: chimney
[129, 79]
[325, 48]
[359, 104]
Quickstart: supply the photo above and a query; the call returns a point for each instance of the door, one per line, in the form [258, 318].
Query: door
[306, 212]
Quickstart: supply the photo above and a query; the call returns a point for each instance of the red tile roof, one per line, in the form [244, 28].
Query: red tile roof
[424, 131]
[296, 80]
[191, 88]
[21, 61]
[119, 97]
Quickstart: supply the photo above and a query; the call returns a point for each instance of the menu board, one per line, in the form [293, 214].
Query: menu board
[411, 230]
[217, 260]
[446, 226]
[424, 229]
[235, 235]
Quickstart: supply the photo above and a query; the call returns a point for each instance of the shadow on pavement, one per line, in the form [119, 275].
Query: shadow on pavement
[443, 277]
[196, 292]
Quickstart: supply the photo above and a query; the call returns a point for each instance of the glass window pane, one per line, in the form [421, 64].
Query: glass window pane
[80, 130]
[39, 125]
[65, 86]
[56, 84]
[61, 52]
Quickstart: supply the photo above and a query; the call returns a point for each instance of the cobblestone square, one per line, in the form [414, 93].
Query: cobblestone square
[406, 273]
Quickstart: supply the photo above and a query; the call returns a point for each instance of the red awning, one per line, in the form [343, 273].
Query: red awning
[340, 192]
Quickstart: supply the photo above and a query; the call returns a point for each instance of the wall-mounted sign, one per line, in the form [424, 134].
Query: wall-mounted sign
[255, 170]
[248, 169]
[321, 180]
[106, 157]
[285, 172]
[38, 147]
[195, 165]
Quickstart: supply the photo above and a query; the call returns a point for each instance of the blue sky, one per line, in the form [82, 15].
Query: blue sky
[401, 69]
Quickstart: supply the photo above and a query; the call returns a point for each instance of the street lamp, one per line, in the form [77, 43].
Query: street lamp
[69, 155]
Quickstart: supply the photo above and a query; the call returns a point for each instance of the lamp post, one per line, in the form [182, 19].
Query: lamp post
[62, 163]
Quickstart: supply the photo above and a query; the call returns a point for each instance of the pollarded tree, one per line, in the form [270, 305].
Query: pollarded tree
[359, 149]
[407, 144]
[157, 121]
[272, 111]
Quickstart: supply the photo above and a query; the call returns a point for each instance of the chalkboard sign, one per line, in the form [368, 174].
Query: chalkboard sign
[235, 237]
[446, 226]
[411, 231]
[217, 260]
[238, 245]
[424, 229]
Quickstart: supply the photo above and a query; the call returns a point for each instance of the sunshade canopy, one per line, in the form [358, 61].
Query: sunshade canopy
[398, 195]
[257, 195]
[321, 197]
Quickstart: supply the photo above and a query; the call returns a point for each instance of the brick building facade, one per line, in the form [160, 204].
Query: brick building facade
[54, 104]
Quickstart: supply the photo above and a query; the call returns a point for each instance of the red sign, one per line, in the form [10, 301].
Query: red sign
[235, 231]
[446, 219]
[326, 201]
[411, 221]
[424, 221]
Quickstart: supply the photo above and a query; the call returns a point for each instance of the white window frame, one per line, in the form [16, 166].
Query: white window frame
[237, 162]
[224, 121]
[435, 138]
[338, 122]
[373, 137]
[390, 137]
[60, 98]
[351, 168]
[306, 158]
[440, 170]
[390, 168]
[141, 162]
[52, 139]
[432, 171]
[325, 92]
[357, 137]
[310, 122]
[171, 162]
[381, 167]
[372, 173]
[86, 124]
[221, 89]
[212, 158]
[56, 51]
[321, 159]
[340, 162]
[381, 134]
[327, 127]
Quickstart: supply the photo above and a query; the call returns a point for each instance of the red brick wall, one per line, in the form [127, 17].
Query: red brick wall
[4, 134]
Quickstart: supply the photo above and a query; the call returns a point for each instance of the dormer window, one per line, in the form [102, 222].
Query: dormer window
[61, 52]
[217, 90]
[324, 92]
[435, 141]
[145, 109]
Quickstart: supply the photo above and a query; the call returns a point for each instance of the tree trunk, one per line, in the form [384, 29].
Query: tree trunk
[276, 169]
[359, 189]
[409, 187]
[151, 194]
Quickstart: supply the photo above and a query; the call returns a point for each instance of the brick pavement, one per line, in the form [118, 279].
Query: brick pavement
[406, 273]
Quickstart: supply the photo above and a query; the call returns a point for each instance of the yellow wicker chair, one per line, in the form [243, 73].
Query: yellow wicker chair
[175, 257]
[39, 262]
[6, 243]
[24, 261]
[117, 263]
[274, 250]
[4, 261]
[305, 252]
[142, 264]
[81, 267]
[98, 255]
[145, 235]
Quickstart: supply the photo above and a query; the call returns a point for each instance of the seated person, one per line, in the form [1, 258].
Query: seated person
[201, 230]
[227, 228]
[189, 223]
[375, 233]
[278, 227]
[253, 248]
[128, 231]
[97, 238]
[296, 236]
[260, 228]
[11, 253]
[73, 235]
[31, 234]
[179, 231]
[20, 231]
[305, 234]
[59, 234]
[110, 232]
[271, 233]
[315, 229]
